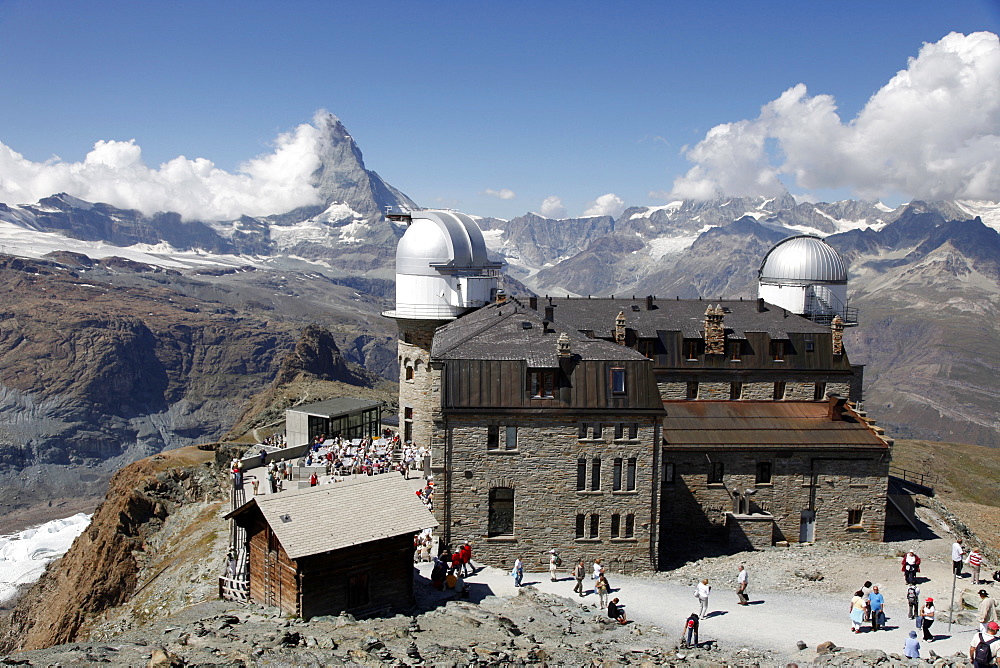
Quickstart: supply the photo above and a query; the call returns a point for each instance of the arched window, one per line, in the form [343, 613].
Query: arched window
[501, 517]
[409, 373]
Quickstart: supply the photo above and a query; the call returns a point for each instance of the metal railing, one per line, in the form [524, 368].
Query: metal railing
[923, 479]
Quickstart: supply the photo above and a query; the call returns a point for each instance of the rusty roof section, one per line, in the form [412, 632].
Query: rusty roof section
[765, 424]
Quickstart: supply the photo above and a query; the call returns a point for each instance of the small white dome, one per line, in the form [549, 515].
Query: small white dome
[439, 241]
[803, 259]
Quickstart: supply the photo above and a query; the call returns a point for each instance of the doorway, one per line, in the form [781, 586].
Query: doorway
[807, 526]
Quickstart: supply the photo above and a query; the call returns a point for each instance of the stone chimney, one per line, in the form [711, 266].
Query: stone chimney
[620, 328]
[533, 303]
[562, 345]
[760, 305]
[838, 335]
[649, 302]
[715, 331]
[835, 411]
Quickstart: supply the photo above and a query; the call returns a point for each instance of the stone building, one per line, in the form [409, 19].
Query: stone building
[605, 426]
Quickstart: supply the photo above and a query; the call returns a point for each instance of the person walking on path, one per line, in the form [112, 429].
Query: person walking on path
[975, 563]
[579, 572]
[857, 611]
[518, 572]
[910, 567]
[602, 588]
[987, 610]
[984, 648]
[927, 612]
[957, 554]
[913, 600]
[554, 563]
[742, 580]
[876, 602]
[701, 592]
[689, 638]
[911, 648]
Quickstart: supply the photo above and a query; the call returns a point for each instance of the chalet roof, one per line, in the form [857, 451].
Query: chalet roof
[333, 407]
[512, 331]
[667, 315]
[728, 425]
[337, 515]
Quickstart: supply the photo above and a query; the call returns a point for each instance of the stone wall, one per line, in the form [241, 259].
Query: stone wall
[751, 390]
[750, 532]
[833, 482]
[542, 471]
[418, 383]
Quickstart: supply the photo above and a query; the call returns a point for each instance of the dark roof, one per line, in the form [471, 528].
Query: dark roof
[668, 315]
[766, 424]
[337, 515]
[334, 407]
[512, 331]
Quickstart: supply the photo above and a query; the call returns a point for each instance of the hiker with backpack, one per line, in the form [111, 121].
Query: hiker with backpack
[689, 637]
[555, 561]
[983, 650]
[913, 600]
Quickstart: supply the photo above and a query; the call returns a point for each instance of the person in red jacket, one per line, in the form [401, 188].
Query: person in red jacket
[910, 567]
[466, 551]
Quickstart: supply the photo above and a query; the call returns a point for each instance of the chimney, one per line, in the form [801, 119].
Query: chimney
[501, 296]
[760, 305]
[620, 328]
[649, 302]
[715, 331]
[837, 325]
[550, 313]
[533, 303]
[836, 408]
[562, 345]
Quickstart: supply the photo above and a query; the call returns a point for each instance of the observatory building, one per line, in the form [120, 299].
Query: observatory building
[633, 429]
[805, 275]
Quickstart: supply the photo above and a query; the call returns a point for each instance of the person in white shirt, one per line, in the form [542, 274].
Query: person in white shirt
[957, 554]
[702, 591]
[742, 579]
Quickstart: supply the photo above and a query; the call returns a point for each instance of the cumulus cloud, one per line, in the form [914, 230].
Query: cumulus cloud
[606, 205]
[933, 131]
[503, 193]
[552, 207]
[114, 172]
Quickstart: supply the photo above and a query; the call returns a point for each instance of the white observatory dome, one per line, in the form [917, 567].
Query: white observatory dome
[442, 269]
[803, 260]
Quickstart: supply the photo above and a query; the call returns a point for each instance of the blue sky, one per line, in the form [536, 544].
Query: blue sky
[572, 100]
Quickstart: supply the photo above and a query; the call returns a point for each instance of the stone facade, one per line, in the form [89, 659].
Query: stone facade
[542, 470]
[832, 483]
[750, 532]
[419, 382]
[750, 390]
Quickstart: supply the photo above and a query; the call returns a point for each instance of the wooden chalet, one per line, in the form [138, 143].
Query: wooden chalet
[341, 547]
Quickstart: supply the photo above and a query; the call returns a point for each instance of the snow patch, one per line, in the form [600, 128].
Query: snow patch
[988, 212]
[24, 555]
[663, 246]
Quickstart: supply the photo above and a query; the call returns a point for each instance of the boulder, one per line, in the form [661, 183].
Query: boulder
[827, 647]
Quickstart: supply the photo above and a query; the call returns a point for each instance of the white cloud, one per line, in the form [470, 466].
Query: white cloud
[503, 193]
[933, 131]
[552, 207]
[606, 205]
[114, 172]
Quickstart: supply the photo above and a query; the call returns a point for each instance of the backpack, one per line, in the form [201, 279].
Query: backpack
[983, 655]
[558, 560]
[911, 595]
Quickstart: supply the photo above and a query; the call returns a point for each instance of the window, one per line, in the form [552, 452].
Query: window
[616, 522]
[617, 485]
[595, 523]
[408, 425]
[630, 526]
[357, 590]
[819, 392]
[779, 390]
[854, 517]
[716, 473]
[511, 441]
[648, 348]
[580, 524]
[598, 430]
[630, 475]
[763, 473]
[778, 351]
[501, 513]
[810, 346]
[617, 380]
[581, 474]
[692, 390]
[735, 391]
[492, 437]
[691, 350]
[409, 373]
[619, 430]
[669, 472]
[541, 384]
[736, 351]
[633, 430]
[595, 474]
[582, 433]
